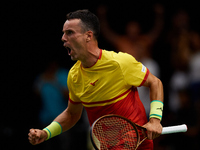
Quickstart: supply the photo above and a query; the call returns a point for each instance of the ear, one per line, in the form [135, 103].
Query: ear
[89, 35]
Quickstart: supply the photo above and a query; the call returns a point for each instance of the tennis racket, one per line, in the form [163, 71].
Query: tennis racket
[114, 132]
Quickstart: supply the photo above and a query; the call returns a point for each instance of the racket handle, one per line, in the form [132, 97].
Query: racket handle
[174, 129]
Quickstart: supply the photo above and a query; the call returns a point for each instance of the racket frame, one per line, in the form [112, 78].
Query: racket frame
[166, 130]
[118, 116]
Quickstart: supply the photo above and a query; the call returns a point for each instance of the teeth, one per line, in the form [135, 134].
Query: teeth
[69, 50]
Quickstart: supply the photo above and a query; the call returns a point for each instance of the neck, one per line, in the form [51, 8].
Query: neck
[91, 57]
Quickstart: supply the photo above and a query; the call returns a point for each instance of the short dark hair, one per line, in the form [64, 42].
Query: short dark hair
[89, 20]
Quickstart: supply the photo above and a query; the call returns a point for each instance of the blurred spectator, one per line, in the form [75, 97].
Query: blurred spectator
[186, 114]
[133, 42]
[194, 75]
[137, 44]
[194, 66]
[182, 42]
[51, 86]
[184, 82]
[179, 81]
[179, 40]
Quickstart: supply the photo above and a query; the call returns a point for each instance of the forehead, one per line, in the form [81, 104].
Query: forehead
[72, 24]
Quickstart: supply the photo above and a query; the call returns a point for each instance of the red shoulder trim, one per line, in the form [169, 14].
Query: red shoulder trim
[145, 77]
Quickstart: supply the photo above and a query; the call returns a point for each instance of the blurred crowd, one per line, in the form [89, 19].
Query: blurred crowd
[179, 70]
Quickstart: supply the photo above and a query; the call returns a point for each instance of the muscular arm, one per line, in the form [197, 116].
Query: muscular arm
[155, 86]
[154, 128]
[70, 116]
[67, 120]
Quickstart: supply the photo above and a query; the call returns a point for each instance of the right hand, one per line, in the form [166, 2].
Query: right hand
[37, 136]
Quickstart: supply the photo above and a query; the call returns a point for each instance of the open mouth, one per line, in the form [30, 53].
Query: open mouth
[69, 50]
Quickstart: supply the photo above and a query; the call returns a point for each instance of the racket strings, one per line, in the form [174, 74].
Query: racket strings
[114, 133]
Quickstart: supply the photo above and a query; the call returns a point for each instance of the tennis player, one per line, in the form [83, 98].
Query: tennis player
[104, 82]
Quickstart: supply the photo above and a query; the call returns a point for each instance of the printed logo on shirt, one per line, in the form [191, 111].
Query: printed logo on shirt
[143, 68]
[93, 83]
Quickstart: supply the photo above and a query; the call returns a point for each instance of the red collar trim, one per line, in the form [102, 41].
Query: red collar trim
[97, 59]
[100, 54]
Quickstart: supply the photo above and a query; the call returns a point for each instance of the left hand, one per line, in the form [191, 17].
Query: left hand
[37, 136]
[154, 128]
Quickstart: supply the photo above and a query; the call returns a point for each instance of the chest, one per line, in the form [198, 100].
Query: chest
[98, 85]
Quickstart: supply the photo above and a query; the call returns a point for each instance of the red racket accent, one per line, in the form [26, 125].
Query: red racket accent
[113, 132]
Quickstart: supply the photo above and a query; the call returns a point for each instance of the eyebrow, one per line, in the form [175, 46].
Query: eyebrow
[67, 30]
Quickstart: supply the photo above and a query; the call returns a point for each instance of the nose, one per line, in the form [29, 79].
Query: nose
[64, 39]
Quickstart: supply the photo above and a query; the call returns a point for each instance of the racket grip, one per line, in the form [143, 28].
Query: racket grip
[174, 129]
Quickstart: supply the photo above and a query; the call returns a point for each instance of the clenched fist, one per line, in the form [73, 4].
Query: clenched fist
[37, 136]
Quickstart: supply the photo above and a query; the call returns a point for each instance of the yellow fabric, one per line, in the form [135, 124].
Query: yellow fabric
[53, 129]
[112, 75]
[156, 109]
